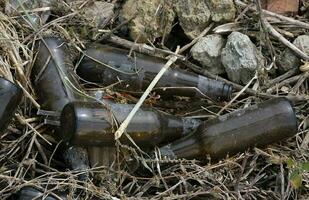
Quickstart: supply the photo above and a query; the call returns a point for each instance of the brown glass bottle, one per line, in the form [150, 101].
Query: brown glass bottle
[78, 160]
[108, 65]
[28, 193]
[10, 97]
[56, 85]
[258, 125]
[92, 124]
[52, 75]
[102, 156]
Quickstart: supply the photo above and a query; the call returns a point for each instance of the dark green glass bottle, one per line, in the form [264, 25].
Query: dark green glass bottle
[10, 97]
[93, 124]
[52, 75]
[109, 65]
[228, 134]
[29, 193]
[102, 156]
[56, 85]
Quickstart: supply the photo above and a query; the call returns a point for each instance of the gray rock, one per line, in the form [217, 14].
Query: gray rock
[193, 16]
[13, 7]
[207, 51]
[241, 58]
[152, 18]
[98, 13]
[95, 13]
[289, 60]
[222, 10]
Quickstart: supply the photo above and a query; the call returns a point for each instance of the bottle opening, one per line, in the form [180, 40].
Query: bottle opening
[68, 123]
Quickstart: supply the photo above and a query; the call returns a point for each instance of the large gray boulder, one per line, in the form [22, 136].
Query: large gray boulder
[154, 18]
[207, 51]
[289, 60]
[193, 15]
[151, 18]
[221, 10]
[241, 58]
[98, 13]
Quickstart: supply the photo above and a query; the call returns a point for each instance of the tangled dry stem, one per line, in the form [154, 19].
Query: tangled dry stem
[28, 154]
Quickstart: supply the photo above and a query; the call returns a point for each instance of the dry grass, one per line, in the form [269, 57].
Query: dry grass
[28, 155]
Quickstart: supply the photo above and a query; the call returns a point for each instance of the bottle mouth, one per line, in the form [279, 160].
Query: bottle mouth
[215, 89]
[68, 123]
[166, 152]
[227, 91]
[291, 111]
[190, 125]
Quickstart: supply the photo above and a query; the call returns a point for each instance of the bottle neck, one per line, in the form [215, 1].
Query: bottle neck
[214, 89]
[173, 128]
[106, 65]
[187, 148]
[190, 125]
[257, 125]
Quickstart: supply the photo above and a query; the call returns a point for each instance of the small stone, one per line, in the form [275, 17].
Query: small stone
[289, 60]
[152, 18]
[14, 7]
[193, 16]
[98, 13]
[241, 58]
[222, 10]
[207, 51]
[285, 89]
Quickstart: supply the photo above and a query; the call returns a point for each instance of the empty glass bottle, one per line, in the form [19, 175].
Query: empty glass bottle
[257, 125]
[92, 124]
[29, 193]
[52, 75]
[109, 65]
[56, 85]
[10, 97]
[102, 156]
[77, 158]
